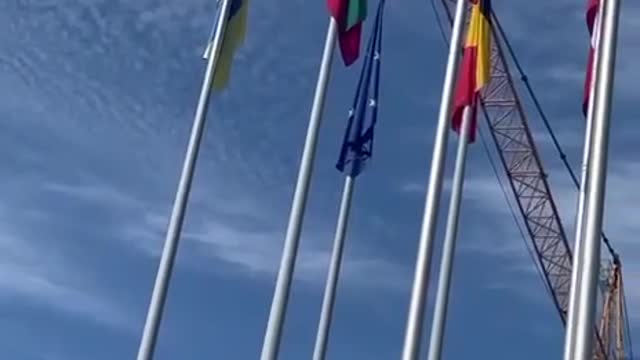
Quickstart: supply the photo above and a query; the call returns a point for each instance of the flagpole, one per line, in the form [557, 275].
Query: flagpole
[328, 302]
[449, 246]
[596, 183]
[277, 314]
[158, 298]
[415, 319]
[576, 273]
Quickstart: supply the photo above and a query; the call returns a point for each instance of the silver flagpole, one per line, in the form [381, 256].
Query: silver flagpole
[413, 332]
[273, 333]
[334, 272]
[449, 246]
[596, 183]
[154, 316]
[576, 273]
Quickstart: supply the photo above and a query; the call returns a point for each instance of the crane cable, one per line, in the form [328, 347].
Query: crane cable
[503, 188]
[525, 80]
[563, 156]
[545, 120]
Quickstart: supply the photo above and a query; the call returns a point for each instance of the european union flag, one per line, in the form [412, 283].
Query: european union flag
[357, 145]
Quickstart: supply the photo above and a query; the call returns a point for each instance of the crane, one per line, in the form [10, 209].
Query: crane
[508, 125]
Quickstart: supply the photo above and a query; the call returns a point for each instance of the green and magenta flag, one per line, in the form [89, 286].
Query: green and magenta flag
[349, 16]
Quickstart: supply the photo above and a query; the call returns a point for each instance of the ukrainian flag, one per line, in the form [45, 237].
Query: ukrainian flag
[234, 35]
[475, 71]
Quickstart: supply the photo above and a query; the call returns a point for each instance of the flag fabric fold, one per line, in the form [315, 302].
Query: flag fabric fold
[349, 16]
[357, 144]
[234, 36]
[593, 20]
[475, 69]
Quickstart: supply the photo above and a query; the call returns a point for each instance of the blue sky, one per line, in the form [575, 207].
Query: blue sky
[97, 99]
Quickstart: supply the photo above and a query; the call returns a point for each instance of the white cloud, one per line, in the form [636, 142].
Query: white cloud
[41, 287]
[240, 235]
[29, 272]
[565, 72]
[93, 192]
[569, 139]
[33, 271]
[621, 225]
[553, 48]
[486, 214]
[257, 252]
[482, 192]
[414, 187]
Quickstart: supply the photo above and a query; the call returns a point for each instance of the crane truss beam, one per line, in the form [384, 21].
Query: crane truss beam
[519, 156]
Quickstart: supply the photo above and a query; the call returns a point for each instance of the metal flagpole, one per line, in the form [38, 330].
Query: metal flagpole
[154, 315]
[413, 330]
[273, 333]
[354, 152]
[577, 263]
[596, 182]
[449, 246]
[334, 271]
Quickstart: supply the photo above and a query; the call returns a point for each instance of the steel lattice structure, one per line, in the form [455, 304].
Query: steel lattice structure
[516, 148]
[528, 180]
[611, 327]
[510, 132]
[515, 145]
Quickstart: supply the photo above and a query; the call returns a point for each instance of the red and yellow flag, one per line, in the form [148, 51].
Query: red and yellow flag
[475, 70]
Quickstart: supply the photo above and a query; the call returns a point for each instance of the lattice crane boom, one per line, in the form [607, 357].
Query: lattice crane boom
[612, 320]
[515, 145]
[517, 151]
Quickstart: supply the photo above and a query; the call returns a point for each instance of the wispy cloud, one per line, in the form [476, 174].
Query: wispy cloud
[250, 244]
[413, 188]
[489, 218]
[553, 49]
[94, 192]
[259, 253]
[242, 237]
[481, 191]
[124, 98]
[31, 270]
[498, 235]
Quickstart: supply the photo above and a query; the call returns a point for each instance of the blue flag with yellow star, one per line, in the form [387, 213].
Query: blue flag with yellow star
[357, 144]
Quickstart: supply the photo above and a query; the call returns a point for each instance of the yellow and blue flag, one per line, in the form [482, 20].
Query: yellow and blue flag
[234, 35]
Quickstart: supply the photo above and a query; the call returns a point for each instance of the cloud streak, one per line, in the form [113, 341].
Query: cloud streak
[249, 243]
[113, 98]
[31, 270]
[242, 237]
[482, 192]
